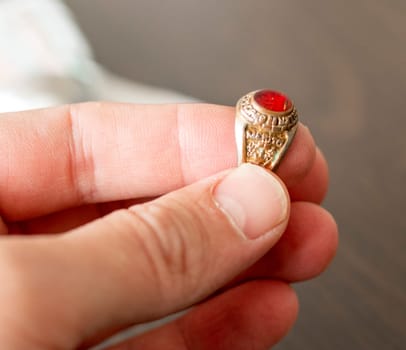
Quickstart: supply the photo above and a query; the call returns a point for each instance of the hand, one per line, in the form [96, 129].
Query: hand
[147, 218]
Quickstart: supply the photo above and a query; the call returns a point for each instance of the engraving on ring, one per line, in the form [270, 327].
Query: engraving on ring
[262, 145]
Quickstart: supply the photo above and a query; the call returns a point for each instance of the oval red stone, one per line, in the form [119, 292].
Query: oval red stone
[273, 101]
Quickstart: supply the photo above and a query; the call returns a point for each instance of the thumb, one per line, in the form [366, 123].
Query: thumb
[153, 259]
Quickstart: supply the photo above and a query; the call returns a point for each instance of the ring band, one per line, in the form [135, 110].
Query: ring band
[265, 125]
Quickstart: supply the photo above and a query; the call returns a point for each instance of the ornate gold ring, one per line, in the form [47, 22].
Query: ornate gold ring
[265, 125]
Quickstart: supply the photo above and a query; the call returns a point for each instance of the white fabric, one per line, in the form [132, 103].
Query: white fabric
[45, 61]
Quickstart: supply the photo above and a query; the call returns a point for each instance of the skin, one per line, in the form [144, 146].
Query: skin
[77, 261]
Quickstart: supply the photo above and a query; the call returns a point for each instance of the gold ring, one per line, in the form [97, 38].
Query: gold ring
[265, 125]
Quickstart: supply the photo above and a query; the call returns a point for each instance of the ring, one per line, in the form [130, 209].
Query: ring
[265, 125]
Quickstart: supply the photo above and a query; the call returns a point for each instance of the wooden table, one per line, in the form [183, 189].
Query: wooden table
[344, 64]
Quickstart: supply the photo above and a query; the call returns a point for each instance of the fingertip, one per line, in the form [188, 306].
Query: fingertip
[305, 249]
[322, 246]
[299, 158]
[314, 186]
[311, 239]
[288, 307]
[331, 245]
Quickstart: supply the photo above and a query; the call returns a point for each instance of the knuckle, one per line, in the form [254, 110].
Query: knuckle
[81, 165]
[173, 239]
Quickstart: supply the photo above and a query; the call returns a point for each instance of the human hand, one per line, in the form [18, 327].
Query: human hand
[89, 174]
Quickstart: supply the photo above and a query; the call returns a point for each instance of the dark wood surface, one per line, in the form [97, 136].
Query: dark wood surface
[344, 64]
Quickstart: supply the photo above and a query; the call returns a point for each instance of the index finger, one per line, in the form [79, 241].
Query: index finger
[61, 157]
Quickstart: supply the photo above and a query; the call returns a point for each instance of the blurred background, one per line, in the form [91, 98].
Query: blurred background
[344, 65]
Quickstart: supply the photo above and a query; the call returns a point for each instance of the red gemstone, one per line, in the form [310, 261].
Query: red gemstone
[273, 101]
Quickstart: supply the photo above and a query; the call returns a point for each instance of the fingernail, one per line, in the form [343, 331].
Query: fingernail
[253, 199]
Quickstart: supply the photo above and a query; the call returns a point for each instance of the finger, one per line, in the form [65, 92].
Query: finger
[255, 315]
[58, 158]
[304, 251]
[146, 262]
[313, 186]
[306, 248]
[299, 158]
